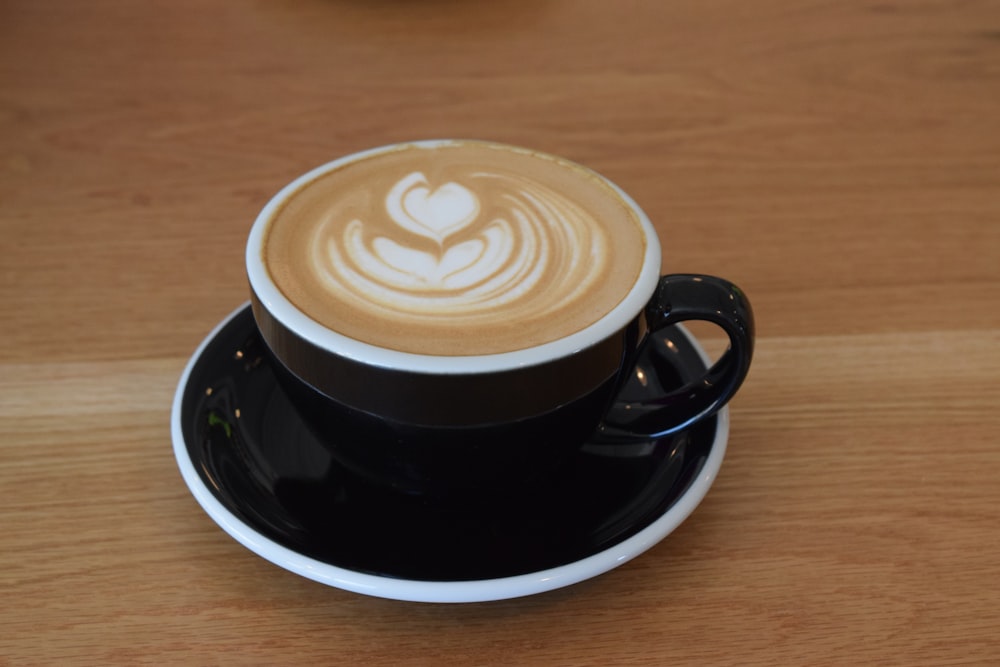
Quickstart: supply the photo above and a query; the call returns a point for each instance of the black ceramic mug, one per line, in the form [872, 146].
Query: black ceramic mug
[471, 412]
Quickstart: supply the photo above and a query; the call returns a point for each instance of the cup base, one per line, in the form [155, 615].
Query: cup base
[448, 464]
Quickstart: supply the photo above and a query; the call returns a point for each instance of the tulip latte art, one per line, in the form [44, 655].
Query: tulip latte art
[459, 248]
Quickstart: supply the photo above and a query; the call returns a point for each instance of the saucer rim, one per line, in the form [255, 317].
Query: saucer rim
[415, 590]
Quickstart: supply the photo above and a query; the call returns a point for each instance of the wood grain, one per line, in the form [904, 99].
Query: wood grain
[840, 161]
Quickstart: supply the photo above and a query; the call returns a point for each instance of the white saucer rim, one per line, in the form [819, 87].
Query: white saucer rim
[482, 590]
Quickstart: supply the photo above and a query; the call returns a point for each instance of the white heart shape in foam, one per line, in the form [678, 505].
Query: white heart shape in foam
[460, 257]
[435, 214]
[424, 268]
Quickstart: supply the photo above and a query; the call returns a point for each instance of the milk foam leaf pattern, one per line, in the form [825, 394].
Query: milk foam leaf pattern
[481, 263]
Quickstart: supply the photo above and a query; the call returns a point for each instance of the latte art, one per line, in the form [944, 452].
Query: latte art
[439, 251]
[462, 248]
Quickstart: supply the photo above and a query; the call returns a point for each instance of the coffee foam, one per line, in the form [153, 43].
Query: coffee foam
[465, 248]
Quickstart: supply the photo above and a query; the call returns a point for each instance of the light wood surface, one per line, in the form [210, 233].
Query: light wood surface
[839, 160]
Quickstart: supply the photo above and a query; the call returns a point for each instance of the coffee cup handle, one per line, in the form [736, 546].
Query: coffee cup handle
[679, 298]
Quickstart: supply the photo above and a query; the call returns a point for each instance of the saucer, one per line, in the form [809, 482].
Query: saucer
[272, 485]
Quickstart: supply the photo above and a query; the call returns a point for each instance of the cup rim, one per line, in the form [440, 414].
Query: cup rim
[283, 310]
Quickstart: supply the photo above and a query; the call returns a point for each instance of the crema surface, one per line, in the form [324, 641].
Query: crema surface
[458, 249]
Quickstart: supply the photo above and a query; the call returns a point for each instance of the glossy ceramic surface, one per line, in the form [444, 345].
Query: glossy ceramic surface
[271, 484]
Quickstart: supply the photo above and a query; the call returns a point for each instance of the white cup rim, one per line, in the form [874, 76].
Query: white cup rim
[282, 309]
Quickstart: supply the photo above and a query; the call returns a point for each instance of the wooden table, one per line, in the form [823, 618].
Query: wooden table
[840, 161]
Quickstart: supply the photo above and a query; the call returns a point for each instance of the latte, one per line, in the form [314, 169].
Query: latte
[456, 248]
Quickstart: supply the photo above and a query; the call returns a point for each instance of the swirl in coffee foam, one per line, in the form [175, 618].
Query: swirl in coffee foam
[437, 252]
[459, 249]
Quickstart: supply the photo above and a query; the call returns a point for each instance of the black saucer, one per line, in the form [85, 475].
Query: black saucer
[270, 483]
